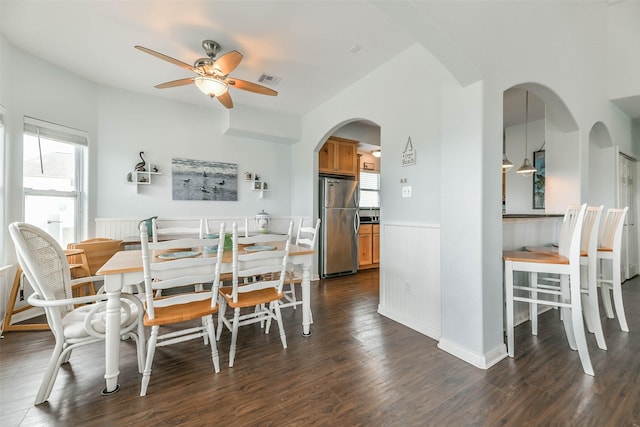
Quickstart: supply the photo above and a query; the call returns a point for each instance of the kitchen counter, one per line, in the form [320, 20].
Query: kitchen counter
[507, 216]
[369, 220]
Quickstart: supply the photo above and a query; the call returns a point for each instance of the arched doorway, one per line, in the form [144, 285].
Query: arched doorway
[549, 133]
[363, 138]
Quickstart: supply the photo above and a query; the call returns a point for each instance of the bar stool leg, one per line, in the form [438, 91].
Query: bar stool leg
[577, 321]
[616, 286]
[533, 307]
[508, 277]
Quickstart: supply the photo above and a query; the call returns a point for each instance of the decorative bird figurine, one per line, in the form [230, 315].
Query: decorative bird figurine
[140, 165]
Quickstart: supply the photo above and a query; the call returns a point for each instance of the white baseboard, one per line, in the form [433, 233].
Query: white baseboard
[485, 361]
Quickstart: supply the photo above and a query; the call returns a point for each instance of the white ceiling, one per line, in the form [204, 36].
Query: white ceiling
[306, 43]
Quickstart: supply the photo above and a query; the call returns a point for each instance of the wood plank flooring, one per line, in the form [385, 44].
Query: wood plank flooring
[358, 368]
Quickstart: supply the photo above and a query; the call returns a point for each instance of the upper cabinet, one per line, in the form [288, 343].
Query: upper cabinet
[339, 156]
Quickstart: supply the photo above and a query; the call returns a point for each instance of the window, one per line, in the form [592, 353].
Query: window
[369, 190]
[52, 178]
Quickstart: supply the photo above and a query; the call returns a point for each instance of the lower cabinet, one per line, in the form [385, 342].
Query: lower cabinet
[369, 246]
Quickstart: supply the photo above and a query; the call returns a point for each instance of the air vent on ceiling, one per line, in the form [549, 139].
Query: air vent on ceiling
[269, 80]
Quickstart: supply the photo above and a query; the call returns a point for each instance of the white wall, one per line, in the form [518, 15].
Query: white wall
[419, 118]
[164, 130]
[361, 132]
[623, 59]
[519, 189]
[122, 123]
[35, 88]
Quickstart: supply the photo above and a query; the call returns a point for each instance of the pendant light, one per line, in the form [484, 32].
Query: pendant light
[506, 164]
[526, 169]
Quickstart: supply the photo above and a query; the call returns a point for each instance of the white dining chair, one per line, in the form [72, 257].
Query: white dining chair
[173, 232]
[45, 266]
[306, 236]
[178, 273]
[565, 263]
[609, 256]
[258, 296]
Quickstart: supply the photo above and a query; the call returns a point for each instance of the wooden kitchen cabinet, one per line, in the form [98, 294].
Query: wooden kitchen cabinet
[376, 244]
[365, 257]
[339, 156]
[369, 246]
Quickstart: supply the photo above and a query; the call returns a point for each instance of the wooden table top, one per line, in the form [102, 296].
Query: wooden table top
[131, 261]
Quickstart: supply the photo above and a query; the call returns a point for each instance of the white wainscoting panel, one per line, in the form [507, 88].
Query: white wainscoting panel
[410, 276]
[127, 228]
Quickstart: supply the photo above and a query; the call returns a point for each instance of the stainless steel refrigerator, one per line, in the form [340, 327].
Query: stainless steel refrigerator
[340, 223]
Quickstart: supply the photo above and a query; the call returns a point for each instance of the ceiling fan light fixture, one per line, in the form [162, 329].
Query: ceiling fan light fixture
[376, 153]
[211, 86]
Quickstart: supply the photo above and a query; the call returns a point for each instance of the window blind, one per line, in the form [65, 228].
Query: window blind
[54, 132]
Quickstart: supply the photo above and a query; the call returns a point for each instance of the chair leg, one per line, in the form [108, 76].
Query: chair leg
[234, 336]
[275, 306]
[590, 305]
[50, 374]
[508, 278]
[146, 376]
[141, 345]
[209, 328]
[584, 286]
[604, 291]
[293, 294]
[205, 337]
[565, 312]
[616, 286]
[577, 322]
[606, 300]
[533, 307]
[221, 313]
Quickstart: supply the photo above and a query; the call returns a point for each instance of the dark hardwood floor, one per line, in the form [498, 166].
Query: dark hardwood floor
[358, 368]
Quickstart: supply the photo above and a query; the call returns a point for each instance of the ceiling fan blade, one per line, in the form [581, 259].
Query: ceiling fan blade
[174, 83]
[251, 87]
[227, 62]
[168, 59]
[225, 99]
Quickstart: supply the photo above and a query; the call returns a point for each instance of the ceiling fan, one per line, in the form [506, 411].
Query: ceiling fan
[212, 74]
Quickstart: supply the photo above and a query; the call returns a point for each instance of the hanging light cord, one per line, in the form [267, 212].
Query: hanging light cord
[40, 151]
[526, 122]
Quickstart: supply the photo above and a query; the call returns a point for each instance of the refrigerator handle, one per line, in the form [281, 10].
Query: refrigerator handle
[356, 222]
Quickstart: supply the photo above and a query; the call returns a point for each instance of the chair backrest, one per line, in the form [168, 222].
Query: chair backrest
[196, 261]
[160, 233]
[97, 251]
[611, 232]
[45, 266]
[266, 267]
[307, 235]
[590, 225]
[571, 231]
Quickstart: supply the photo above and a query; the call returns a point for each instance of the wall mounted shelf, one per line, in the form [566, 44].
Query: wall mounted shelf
[256, 184]
[138, 178]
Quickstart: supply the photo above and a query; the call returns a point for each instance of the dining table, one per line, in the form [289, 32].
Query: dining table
[124, 269]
